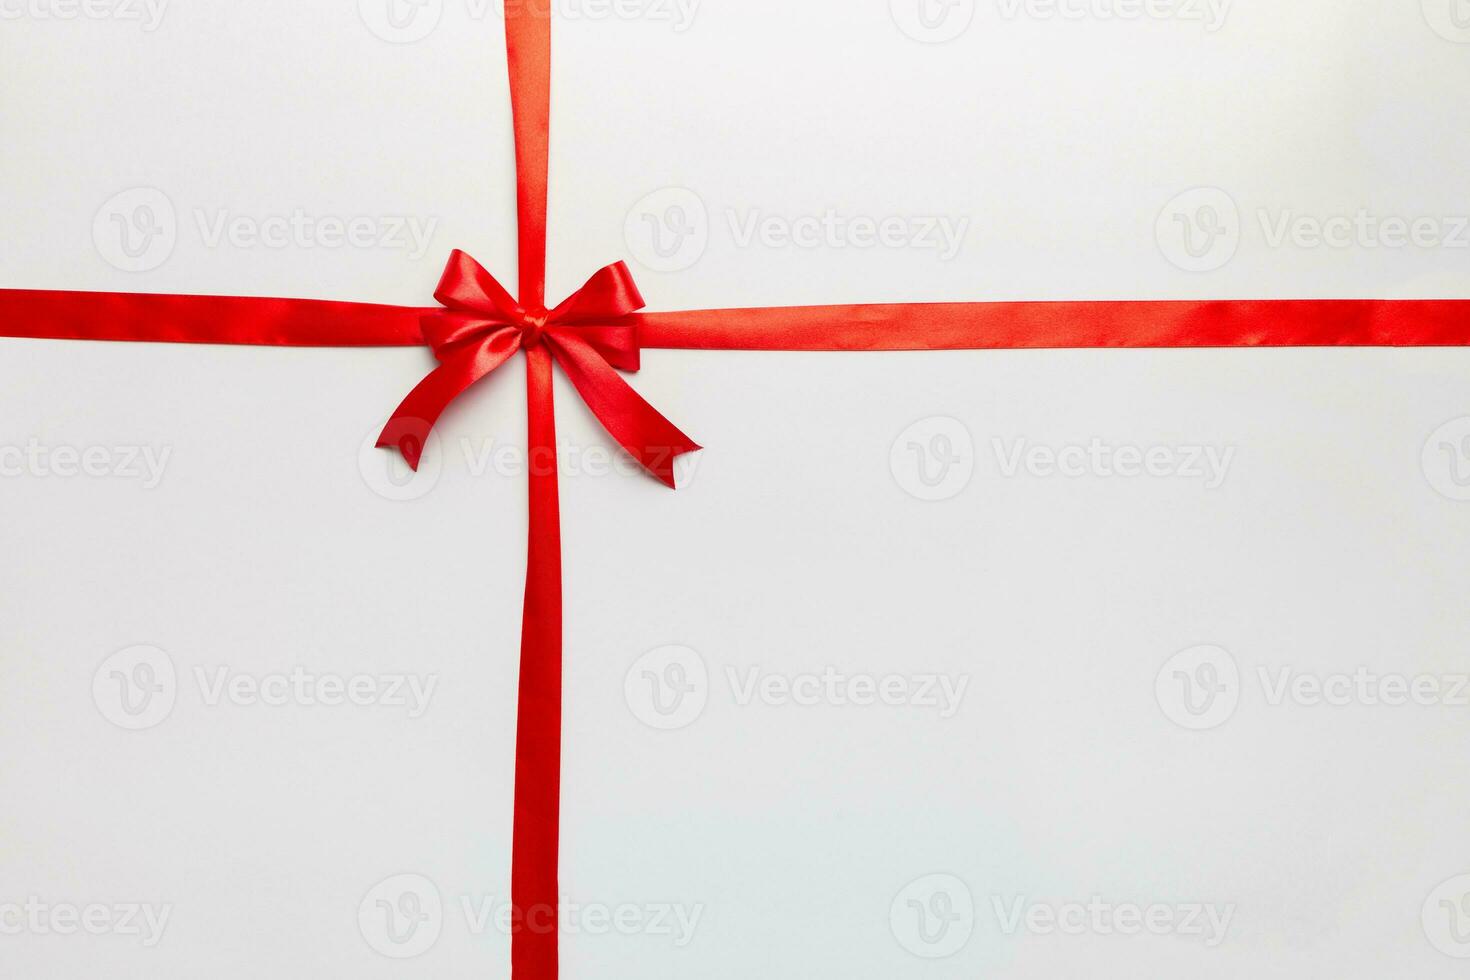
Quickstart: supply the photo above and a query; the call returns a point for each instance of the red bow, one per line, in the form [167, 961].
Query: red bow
[589, 334]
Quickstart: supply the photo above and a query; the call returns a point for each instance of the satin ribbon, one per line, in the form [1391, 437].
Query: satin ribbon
[536, 837]
[1117, 324]
[589, 335]
[597, 332]
[249, 320]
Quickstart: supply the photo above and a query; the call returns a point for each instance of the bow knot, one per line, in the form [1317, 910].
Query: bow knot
[592, 335]
[533, 327]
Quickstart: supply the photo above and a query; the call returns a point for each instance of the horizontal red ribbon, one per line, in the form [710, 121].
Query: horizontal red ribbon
[179, 319]
[182, 319]
[1148, 323]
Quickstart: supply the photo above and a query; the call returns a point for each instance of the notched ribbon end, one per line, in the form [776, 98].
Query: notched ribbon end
[662, 466]
[407, 439]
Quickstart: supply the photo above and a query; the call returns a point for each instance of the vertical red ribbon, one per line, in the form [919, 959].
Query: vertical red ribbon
[535, 892]
[528, 45]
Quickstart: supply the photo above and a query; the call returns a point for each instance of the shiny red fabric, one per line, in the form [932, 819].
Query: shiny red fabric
[590, 334]
[159, 318]
[535, 953]
[250, 320]
[597, 332]
[536, 834]
[975, 326]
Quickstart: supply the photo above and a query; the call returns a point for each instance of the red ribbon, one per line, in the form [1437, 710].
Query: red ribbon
[597, 332]
[983, 326]
[589, 335]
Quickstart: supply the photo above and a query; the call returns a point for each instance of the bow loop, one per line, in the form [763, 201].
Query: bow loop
[600, 311]
[609, 295]
[590, 334]
[467, 287]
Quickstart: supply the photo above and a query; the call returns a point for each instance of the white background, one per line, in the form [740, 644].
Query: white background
[1333, 834]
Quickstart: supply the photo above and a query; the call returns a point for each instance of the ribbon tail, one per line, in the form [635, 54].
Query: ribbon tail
[651, 439]
[408, 430]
